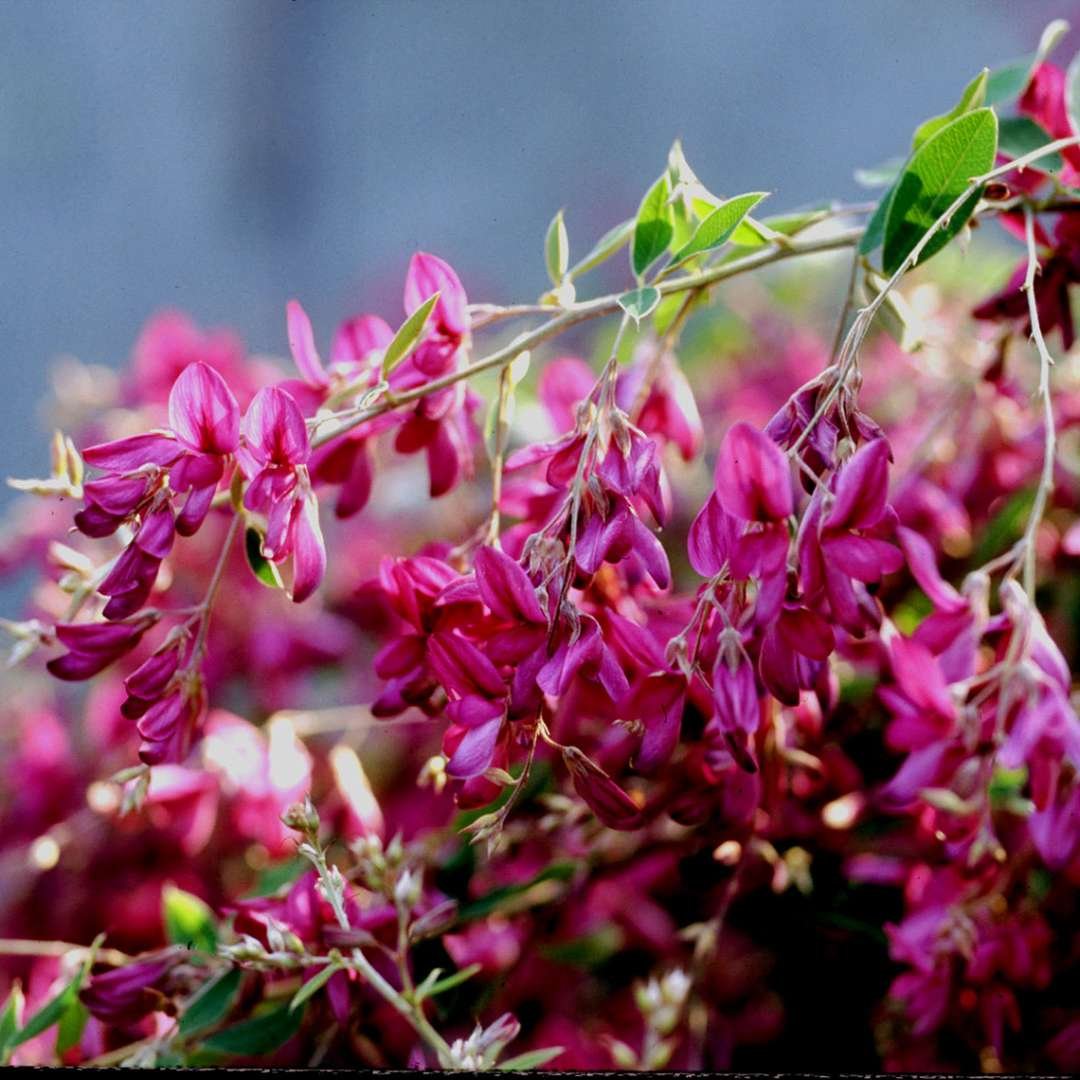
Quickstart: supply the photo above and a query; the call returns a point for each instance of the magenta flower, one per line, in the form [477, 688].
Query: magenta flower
[126, 994]
[203, 431]
[842, 541]
[669, 412]
[274, 458]
[92, 647]
[354, 355]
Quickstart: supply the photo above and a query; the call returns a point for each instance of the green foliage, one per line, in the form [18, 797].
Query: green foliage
[188, 920]
[10, 1016]
[315, 984]
[973, 97]
[532, 1059]
[653, 226]
[1072, 92]
[212, 1003]
[260, 1035]
[56, 1009]
[1008, 82]
[432, 986]
[935, 176]
[604, 248]
[639, 303]
[408, 336]
[263, 569]
[720, 225]
[557, 249]
[1019, 135]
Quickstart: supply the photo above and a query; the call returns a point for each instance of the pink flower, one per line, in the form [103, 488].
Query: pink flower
[843, 541]
[274, 458]
[126, 994]
[92, 647]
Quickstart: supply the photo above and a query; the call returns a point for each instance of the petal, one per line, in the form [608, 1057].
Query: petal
[308, 550]
[462, 668]
[753, 479]
[274, 428]
[506, 588]
[356, 490]
[861, 488]
[475, 751]
[202, 410]
[923, 566]
[428, 275]
[358, 338]
[711, 538]
[864, 558]
[302, 345]
[564, 383]
[196, 507]
[658, 702]
[126, 455]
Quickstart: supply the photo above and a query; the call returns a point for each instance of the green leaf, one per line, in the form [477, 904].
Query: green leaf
[260, 566]
[54, 1010]
[212, 1003]
[406, 339]
[589, 950]
[314, 985]
[718, 227]
[72, 1023]
[653, 226]
[277, 876]
[937, 174]
[492, 901]
[1005, 84]
[973, 97]
[603, 249]
[1072, 92]
[1019, 135]
[10, 1016]
[557, 249]
[665, 312]
[880, 175]
[639, 303]
[1010, 81]
[260, 1035]
[875, 227]
[440, 986]
[532, 1059]
[188, 920]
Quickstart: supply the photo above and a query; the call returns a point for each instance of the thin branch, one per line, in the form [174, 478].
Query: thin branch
[591, 309]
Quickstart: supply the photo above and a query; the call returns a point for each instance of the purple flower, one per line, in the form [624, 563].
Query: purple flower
[92, 647]
[274, 457]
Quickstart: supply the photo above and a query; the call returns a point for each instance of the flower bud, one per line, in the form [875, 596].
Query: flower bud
[303, 817]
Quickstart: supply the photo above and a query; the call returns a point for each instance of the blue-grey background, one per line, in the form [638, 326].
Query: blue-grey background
[224, 155]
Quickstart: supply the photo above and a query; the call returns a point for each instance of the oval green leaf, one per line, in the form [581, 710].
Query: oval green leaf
[603, 249]
[719, 226]
[937, 174]
[314, 985]
[212, 1003]
[260, 1035]
[188, 920]
[653, 226]
[406, 339]
[1019, 135]
[639, 303]
[531, 1059]
[557, 249]
[260, 566]
[973, 97]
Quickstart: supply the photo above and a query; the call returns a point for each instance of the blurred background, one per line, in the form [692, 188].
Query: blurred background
[222, 156]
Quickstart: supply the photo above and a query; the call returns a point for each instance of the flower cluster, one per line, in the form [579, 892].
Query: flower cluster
[774, 639]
